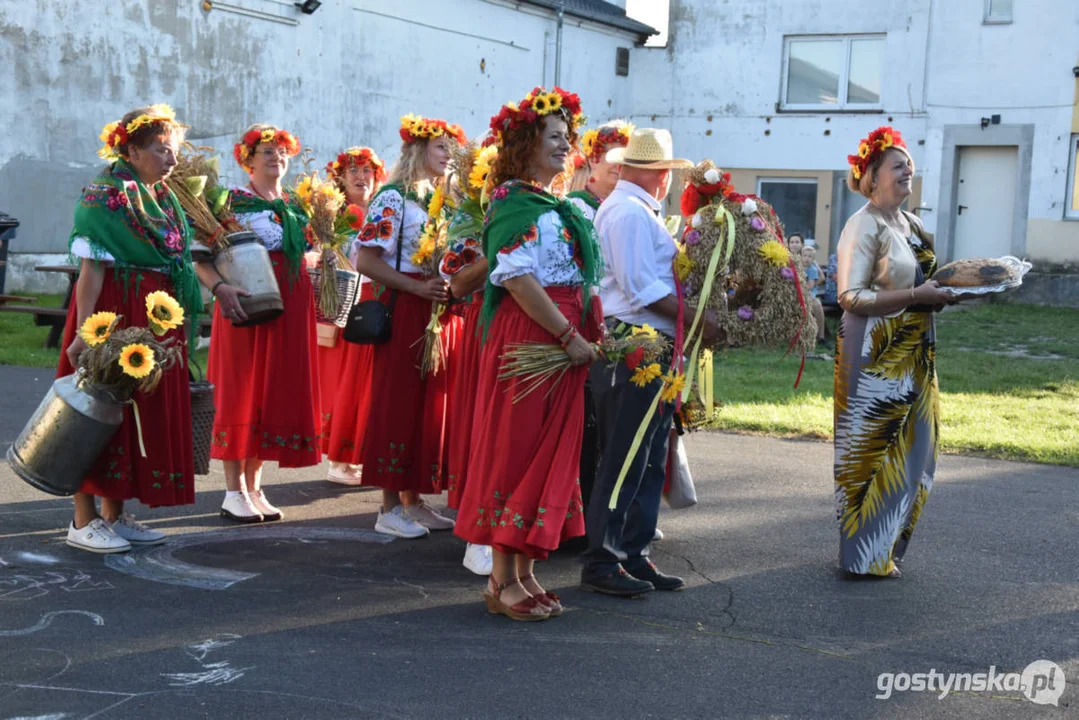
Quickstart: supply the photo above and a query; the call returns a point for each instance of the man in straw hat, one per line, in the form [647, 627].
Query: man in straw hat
[637, 289]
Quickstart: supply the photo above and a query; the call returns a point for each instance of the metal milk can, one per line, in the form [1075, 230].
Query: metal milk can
[246, 264]
[66, 434]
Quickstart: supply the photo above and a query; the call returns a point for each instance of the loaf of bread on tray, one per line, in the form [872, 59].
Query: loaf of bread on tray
[974, 272]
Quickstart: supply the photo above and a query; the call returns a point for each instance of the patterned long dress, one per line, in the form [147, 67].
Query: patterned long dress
[886, 428]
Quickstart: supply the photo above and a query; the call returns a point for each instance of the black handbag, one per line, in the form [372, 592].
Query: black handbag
[370, 322]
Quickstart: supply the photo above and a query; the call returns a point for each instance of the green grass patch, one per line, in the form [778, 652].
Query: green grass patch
[23, 343]
[1009, 379]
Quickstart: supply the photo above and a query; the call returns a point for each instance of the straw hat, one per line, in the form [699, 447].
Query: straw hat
[648, 148]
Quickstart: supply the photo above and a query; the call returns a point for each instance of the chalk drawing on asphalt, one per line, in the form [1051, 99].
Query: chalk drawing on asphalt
[157, 563]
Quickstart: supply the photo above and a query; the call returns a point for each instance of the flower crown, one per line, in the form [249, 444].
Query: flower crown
[358, 156]
[535, 105]
[872, 147]
[243, 150]
[414, 127]
[116, 134]
[598, 141]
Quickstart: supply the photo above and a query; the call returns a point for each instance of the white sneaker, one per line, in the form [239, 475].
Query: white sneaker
[396, 523]
[97, 537]
[344, 474]
[657, 535]
[239, 508]
[268, 511]
[427, 516]
[130, 529]
[478, 559]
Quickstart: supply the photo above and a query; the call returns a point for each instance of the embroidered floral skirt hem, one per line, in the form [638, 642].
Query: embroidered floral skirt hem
[887, 412]
[464, 375]
[404, 447]
[266, 385]
[331, 360]
[352, 403]
[166, 476]
[523, 494]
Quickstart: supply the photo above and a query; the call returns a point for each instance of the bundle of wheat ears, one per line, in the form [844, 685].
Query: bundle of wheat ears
[194, 181]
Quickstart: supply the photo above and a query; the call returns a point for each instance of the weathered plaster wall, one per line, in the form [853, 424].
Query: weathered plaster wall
[717, 83]
[340, 77]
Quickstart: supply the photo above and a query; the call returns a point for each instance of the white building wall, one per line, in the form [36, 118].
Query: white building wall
[342, 76]
[721, 72]
[717, 84]
[1023, 72]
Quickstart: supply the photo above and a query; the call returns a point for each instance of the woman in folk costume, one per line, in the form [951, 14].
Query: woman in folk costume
[404, 444]
[345, 368]
[132, 241]
[266, 375]
[596, 178]
[522, 496]
[886, 398]
[465, 268]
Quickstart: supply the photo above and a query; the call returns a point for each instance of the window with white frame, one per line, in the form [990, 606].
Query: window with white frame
[1071, 202]
[832, 72]
[998, 11]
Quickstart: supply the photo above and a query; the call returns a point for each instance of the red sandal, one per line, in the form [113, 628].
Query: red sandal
[530, 610]
[548, 599]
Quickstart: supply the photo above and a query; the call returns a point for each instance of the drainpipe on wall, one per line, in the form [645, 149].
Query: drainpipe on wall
[558, 45]
[546, 42]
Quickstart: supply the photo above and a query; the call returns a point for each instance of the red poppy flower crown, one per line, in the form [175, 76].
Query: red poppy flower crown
[243, 150]
[535, 105]
[871, 148]
[358, 156]
[414, 127]
[598, 141]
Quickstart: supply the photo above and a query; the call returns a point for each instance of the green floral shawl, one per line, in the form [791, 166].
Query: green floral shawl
[292, 217]
[140, 227]
[515, 208]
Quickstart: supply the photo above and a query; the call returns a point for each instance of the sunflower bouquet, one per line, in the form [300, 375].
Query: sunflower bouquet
[734, 261]
[195, 182]
[125, 360]
[640, 348]
[428, 258]
[331, 219]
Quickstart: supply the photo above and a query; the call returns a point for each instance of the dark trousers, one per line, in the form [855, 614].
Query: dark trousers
[621, 536]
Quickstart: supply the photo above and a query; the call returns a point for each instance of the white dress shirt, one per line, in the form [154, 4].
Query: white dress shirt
[638, 254]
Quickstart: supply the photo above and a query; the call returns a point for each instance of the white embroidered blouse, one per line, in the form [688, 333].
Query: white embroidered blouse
[545, 251]
[383, 226]
[265, 223]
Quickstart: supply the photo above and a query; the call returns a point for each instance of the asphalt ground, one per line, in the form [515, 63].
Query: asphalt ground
[316, 616]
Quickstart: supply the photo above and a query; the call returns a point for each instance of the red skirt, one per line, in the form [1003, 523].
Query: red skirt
[331, 360]
[464, 374]
[265, 380]
[350, 406]
[405, 443]
[522, 494]
[166, 476]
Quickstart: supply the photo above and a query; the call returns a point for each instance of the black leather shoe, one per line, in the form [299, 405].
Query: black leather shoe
[617, 583]
[647, 572]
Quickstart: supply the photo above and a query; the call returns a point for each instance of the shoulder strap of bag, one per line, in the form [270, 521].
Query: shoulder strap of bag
[400, 252]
